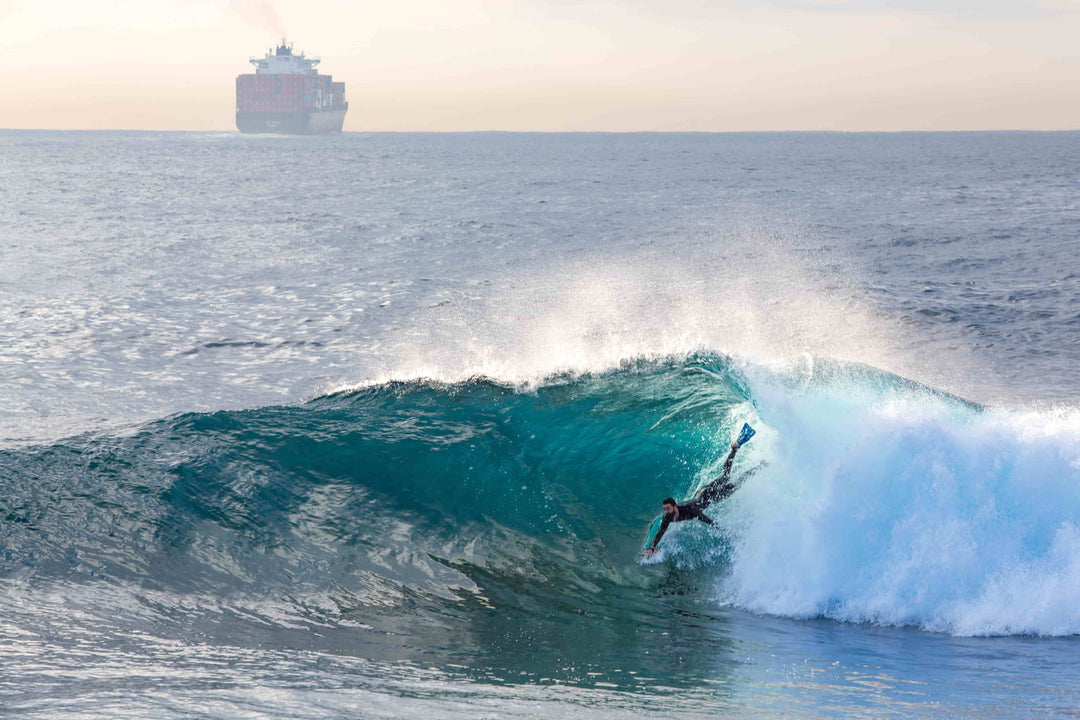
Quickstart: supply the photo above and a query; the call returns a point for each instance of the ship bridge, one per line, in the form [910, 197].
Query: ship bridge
[283, 61]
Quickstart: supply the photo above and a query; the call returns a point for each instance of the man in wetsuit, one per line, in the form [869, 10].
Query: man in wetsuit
[718, 489]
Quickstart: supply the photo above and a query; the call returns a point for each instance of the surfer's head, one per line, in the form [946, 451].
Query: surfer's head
[670, 508]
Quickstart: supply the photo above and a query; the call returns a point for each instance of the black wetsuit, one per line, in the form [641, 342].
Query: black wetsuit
[717, 490]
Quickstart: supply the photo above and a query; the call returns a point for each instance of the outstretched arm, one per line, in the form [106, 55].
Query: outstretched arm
[659, 534]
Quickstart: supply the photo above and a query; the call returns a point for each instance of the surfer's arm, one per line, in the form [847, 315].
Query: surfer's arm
[660, 532]
[704, 518]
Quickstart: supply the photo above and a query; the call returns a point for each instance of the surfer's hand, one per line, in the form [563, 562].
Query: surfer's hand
[649, 551]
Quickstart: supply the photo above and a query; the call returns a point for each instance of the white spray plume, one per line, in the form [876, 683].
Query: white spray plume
[590, 314]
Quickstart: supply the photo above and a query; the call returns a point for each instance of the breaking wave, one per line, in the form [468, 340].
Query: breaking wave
[420, 506]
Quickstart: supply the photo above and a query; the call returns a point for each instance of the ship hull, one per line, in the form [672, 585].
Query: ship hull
[303, 122]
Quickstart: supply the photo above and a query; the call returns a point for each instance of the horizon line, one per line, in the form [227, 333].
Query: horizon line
[557, 132]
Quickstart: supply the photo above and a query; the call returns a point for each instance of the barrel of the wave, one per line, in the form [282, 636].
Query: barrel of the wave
[651, 538]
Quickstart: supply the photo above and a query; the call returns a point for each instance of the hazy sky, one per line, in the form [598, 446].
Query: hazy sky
[556, 64]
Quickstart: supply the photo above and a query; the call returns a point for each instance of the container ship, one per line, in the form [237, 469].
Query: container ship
[286, 94]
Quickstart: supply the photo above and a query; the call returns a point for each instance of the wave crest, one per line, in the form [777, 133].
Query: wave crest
[879, 500]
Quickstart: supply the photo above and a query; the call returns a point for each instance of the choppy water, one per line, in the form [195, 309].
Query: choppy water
[373, 425]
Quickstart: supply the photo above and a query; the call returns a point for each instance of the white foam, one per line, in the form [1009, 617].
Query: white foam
[904, 508]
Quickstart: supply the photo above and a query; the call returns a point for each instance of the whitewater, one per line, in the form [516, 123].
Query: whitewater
[374, 425]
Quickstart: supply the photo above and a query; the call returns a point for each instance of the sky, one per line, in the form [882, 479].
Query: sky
[556, 65]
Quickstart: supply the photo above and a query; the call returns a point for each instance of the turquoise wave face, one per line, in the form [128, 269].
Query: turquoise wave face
[352, 483]
[415, 509]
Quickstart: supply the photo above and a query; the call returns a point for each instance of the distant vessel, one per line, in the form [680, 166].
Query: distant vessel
[286, 94]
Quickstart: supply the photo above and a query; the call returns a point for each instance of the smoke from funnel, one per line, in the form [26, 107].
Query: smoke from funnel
[261, 14]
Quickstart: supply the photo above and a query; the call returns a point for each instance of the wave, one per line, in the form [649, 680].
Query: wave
[875, 499]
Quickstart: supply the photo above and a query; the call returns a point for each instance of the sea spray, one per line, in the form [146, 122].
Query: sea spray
[885, 504]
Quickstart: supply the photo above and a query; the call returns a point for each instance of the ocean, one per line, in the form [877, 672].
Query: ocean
[374, 425]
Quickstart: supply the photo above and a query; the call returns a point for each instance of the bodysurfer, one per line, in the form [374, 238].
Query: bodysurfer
[717, 490]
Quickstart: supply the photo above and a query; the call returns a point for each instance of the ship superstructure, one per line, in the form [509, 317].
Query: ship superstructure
[286, 94]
